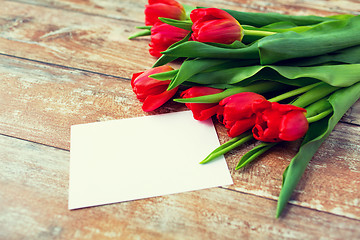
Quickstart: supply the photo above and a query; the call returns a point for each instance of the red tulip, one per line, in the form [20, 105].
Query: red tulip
[150, 91]
[236, 112]
[162, 36]
[201, 111]
[215, 25]
[163, 8]
[280, 122]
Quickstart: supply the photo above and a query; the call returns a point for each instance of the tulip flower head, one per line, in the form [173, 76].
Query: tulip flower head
[236, 112]
[163, 36]
[215, 25]
[201, 111]
[150, 91]
[163, 8]
[279, 122]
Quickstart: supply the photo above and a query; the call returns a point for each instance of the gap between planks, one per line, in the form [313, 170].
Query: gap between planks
[290, 203]
[64, 67]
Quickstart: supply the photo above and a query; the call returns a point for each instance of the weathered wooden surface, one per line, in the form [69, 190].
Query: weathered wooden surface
[35, 179]
[69, 62]
[67, 38]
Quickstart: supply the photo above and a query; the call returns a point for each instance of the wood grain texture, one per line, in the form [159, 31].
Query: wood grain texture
[41, 102]
[134, 10]
[71, 39]
[35, 179]
[65, 62]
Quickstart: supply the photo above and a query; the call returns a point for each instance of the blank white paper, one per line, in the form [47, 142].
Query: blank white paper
[136, 158]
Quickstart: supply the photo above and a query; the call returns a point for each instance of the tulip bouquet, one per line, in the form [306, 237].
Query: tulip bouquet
[265, 76]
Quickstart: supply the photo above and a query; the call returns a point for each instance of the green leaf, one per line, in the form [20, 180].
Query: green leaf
[341, 16]
[325, 38]
[193, 49]
[348, 55]
[193, 66]
[341, 101]
[235, 45]
[263, 19]
[187, 24]
[341, 75]
[243, 76]
[253, 154]
[164, 59]
[165, 75]
[280, 27]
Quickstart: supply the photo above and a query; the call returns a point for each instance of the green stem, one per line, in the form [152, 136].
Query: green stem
[314, 95]
[144, 27]
[319, 116]
[228, 146]
[293, 92]
[258, 87]
[257, 33]
[146, 32]
[318, 107]
[253, 154]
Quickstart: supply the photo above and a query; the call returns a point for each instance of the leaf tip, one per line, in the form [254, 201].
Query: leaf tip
[179, 100]
[204, 161]
[238, 167]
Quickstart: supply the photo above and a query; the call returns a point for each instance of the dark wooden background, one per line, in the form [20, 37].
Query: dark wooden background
[65, 62]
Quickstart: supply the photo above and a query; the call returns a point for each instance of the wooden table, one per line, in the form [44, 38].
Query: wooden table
[65, 62]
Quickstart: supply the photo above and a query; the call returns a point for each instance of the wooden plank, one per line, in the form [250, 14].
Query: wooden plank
[351, 115]
[35, 180]
[71, 39]
[41, 102]
[44, 99]
[134, 9]
[124, 9]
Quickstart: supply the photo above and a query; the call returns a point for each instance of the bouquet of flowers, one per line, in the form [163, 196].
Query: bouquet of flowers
[265, 76]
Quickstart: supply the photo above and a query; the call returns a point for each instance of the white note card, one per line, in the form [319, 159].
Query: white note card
[136, 158]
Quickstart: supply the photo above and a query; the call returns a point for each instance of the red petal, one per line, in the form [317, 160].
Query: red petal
[239, 106]
[202, 111]
[293, 126]
[241, 126]
[152, 102]
[164, 9]
[134, 77]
